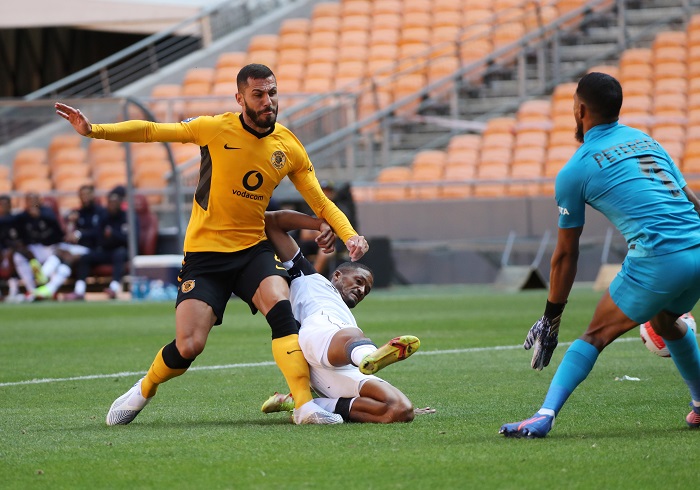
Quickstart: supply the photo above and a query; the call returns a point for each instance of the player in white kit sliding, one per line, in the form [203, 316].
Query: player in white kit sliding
[330, 339]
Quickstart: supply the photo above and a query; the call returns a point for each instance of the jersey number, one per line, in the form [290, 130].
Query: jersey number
[648, 166]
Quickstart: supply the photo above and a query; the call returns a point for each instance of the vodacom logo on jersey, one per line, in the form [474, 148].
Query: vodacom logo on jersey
[251, 182]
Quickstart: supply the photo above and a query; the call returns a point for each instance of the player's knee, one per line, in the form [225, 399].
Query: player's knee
[401, 411]
[190, 347]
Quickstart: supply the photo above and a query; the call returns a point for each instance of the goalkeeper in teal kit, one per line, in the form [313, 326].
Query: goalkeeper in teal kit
[628, 177]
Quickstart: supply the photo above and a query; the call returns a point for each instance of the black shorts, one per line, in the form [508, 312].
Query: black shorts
[213, 276]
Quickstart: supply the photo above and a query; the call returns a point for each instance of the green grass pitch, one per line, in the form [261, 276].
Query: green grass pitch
[62, 365]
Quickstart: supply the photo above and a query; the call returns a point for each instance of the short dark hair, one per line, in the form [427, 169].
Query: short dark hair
[255, 71]
[353, 266]
[602, 93]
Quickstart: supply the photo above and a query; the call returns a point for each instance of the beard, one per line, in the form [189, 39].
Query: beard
[266, 121]
[579, 132]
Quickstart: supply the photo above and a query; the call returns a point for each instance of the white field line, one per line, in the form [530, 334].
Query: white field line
[468, 350]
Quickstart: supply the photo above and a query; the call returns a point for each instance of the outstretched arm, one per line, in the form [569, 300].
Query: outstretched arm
[279, 223]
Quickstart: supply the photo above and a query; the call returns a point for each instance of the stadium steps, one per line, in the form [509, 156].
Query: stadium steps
[498, 95]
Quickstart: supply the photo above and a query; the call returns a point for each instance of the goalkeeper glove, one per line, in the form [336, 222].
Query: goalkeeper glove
[544, 335]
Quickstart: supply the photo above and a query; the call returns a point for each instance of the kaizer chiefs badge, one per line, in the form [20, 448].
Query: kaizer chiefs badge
[187, 286]
[278, 159]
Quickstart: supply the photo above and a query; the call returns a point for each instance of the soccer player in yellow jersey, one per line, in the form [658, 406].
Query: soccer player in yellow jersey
[244, 157]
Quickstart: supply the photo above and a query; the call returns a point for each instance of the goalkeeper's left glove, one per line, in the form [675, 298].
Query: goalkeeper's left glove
[544, 335]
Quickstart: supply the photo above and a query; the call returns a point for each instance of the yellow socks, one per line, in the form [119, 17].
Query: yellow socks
[292, 363]
[159, 373]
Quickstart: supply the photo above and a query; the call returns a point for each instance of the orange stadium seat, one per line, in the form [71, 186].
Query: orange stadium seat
[531, 138]
[497, 140]
[300, 25]
[355, 23]
[500, 125]
[389, 36]
[226, 74]
[61, 141]
[268, 58]
[421, 6]
[464, 141]
[318, 85]
[637, 87]
[670, 69]
[325, 9]
[263, 42]
[199, 76]
[40, 185]
[393, 184]
[67, 156]
[670, 39]
[29, 170]
[352, 53]
[462, 156]
[231, 59]
[166, 110]
[449, 21]
[673, 101]
[416, 19]
[386, 7]
[355, 7]
[322, 54]
[5, 185]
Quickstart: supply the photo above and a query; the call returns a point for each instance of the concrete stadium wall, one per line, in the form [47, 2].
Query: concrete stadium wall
[452, 242]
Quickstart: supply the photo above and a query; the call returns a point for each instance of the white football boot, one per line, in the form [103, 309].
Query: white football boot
[310, 413]
[127, 407]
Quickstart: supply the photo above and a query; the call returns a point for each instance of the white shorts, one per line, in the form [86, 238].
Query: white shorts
[73, 248]
[315, 337]
[41, 252]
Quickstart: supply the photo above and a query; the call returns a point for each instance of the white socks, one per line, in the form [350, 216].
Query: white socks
[359, 353]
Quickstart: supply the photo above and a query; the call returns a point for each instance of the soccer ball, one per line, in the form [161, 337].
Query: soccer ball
[655, 343]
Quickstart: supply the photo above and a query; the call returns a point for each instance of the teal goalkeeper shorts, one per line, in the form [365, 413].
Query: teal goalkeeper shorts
[648, 285]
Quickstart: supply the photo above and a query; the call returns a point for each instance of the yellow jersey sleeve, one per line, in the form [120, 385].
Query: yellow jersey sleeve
[144, 132]
[304, 179]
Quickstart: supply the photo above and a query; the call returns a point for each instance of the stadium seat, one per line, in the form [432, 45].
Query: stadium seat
[199, 76]
[300, 25]
[226, 75]
[417, 6]
[231, 59]
[384, 36]
[62, 141]
[67, 156]
[526, 138]
[497, 140]
[166, 110]
[40, 185]
[393, 184]
[380, 7]
[637, 87]
[670, 39]
[28, 171]
[464, 141]
[5, 185]
[355, 7]
[325, 9]
[69, 171]
[462, 156]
